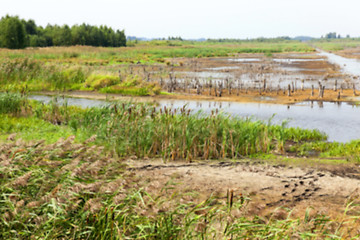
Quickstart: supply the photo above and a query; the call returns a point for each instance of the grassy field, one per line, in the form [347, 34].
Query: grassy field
[336, 44]
[62, 174]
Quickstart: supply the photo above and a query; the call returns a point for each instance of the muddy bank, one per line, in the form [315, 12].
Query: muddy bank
[277, 97]
[270, 187]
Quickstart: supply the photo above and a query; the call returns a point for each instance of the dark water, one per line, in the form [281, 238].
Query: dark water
[341, 122]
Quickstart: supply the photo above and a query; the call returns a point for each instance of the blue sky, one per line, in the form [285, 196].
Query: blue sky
[198, 18]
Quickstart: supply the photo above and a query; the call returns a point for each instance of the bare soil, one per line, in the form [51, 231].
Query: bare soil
[271, 187]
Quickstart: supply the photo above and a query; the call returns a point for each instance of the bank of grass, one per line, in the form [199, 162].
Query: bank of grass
[27, 75]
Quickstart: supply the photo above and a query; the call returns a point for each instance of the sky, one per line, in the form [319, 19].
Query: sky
[197, 18]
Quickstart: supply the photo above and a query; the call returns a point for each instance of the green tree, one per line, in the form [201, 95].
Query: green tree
[12, 33]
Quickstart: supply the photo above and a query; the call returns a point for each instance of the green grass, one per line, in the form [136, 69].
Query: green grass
[336, 44]
[154, 51]
[32, 128]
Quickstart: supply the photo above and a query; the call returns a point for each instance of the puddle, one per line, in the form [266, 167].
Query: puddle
[244, 59]
[294, 60]
[340, 121]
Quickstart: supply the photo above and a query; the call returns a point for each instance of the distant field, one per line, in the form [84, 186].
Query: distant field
[156, 51]
[336, 44]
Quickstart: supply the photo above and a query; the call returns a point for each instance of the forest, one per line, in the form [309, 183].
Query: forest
[16, 33]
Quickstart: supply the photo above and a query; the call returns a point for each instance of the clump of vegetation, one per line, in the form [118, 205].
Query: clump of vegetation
[11, 103]
[100, 81]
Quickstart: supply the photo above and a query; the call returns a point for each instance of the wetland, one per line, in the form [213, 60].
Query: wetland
[185, 140]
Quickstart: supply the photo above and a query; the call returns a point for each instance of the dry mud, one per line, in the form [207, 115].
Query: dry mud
[327, 189]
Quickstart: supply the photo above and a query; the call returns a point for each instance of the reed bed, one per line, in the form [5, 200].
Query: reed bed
[145, 131]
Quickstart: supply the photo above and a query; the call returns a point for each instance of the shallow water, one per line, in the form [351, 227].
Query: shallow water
[82, 102]
[348, 65]
[339, 121]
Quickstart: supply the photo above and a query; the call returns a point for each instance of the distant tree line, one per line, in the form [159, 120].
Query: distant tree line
[18, 33]
[332, 35]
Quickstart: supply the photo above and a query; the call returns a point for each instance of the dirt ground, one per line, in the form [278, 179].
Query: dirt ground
[271, 187]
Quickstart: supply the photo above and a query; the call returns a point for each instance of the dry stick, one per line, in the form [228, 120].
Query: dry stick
[323, 91]
[293, 87]
[320, 89]
[210, 86]
[189, 86]
[312, 90]
[335, 86]
[215, 89]
[302, 85]
[238, 89]
[338, 96]
[354, 90]
[289, 90]
[264, 86]
[220, 89]
[259, 89]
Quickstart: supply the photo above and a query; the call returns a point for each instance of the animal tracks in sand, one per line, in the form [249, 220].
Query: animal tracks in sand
[268, 185]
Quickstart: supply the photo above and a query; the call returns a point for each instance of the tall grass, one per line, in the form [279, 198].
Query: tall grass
[11, 103]
[145, 131]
